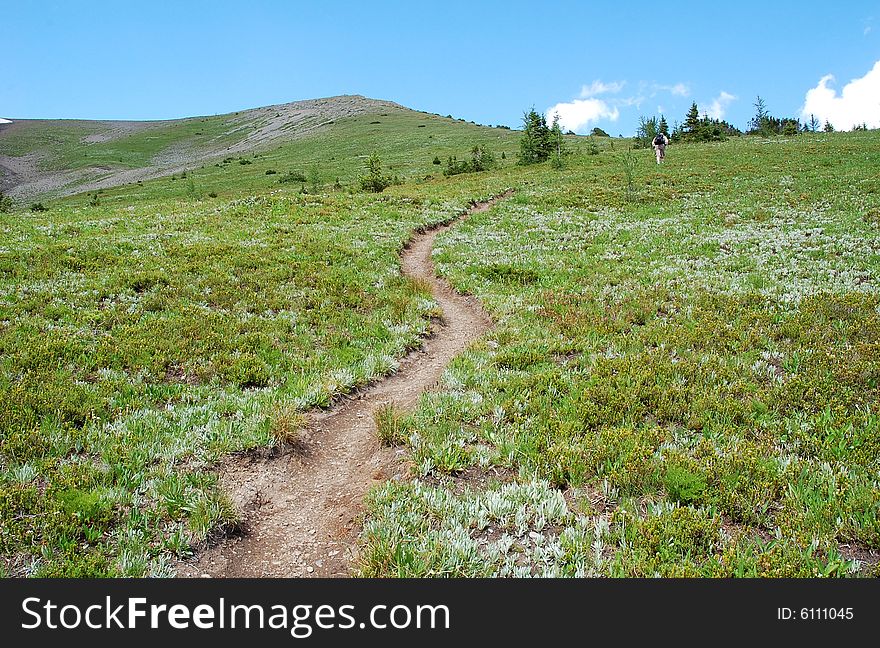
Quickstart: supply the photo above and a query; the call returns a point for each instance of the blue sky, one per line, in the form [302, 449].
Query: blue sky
[605, 62]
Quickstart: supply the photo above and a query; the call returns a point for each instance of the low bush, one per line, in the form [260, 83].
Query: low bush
[481, 160]
[684, 485]
[292, 176]
[374, 180]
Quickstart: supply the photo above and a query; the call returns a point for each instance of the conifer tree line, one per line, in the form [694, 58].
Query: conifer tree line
[702, 128]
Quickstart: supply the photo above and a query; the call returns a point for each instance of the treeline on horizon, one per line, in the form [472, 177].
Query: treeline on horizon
[697, 128]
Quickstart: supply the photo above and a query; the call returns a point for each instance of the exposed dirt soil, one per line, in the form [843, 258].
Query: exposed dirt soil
[869, 558]
[302, 509]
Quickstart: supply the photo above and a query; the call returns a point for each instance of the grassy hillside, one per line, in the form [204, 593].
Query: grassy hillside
[324, 139]
[139, 344]
[683, 379]
[407, 143]
[76, 144]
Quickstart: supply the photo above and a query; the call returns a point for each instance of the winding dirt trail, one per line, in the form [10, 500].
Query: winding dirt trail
[301, 509]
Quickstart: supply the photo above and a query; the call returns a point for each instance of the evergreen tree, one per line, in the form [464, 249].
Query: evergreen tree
[535, 144]
[791, 127]
[692, 120]
[664, 127]
[828, 127]
[556, 140]
[481, 159]
[646, 131]
[759, 121]
[765, 124]
[703, 129]
[374, 180]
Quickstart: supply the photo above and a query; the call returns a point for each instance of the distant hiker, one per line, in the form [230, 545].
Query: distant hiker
[660, 144]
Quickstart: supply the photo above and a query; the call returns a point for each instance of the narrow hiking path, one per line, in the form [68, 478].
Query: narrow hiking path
[301, 508]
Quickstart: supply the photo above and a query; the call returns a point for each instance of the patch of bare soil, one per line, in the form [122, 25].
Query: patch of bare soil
[474, 478]
[869, 558]
[302, 508]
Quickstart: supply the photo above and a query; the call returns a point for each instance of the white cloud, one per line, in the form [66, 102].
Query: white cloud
[630, 101]
[718, 108]
[578, 114]
[600, 101]
[680, 89]
[598, 88]
[857, 103]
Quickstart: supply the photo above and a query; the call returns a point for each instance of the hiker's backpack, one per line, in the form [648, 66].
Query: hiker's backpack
[658, 140]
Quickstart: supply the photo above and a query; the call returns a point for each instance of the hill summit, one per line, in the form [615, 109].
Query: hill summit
[62, 157]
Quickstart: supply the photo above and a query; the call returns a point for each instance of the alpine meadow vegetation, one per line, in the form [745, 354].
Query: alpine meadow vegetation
[682, 379]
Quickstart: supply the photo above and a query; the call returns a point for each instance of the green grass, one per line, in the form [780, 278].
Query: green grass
[140, 148]
[694, 363]
[64, 147]
[682, 380]
[43, 135]
[405, 141]
[141, 344]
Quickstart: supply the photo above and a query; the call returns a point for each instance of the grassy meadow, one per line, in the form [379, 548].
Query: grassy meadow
[332, 156]
[406, 141]
[68, 150]
[682, 380]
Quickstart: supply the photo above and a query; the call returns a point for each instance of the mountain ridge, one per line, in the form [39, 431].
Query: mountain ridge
[60, 157]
